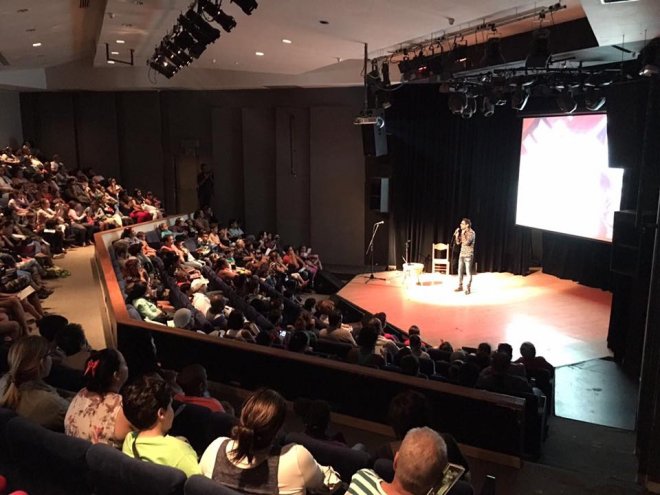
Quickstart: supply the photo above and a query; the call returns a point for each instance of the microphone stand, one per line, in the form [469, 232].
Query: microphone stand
[371, 248]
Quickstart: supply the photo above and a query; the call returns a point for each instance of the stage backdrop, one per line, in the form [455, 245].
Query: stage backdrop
[446, 168]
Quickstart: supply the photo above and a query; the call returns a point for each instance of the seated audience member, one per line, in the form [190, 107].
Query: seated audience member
[315, 414]
[96, 413]
[418, 467]
[137, 296]
[194, 383]
[384, 345]
[182, 319]
[409, 410]
[251, 461]
[216, 312]
[483, 356]
[415, 343]
[410, 366]
[336, 330]
[500, 380]
[299, 342]
[148, 407]
[516, 369]
[533, 362]
[72, 342]
[413, 330]
[366, 354]
[22, 388]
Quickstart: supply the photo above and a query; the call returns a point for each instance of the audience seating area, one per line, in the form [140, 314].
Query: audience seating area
[505, 424]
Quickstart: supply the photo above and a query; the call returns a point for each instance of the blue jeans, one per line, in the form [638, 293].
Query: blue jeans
[465, 266]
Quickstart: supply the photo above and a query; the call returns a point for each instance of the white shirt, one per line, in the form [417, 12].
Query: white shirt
[297, 469]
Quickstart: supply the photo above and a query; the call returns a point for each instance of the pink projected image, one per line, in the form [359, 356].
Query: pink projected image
[565, 184]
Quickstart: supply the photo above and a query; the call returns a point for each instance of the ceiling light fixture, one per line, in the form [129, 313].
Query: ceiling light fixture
[259, 54]
[36, 45]
[286, 41]
[110, 59]
[120, 42]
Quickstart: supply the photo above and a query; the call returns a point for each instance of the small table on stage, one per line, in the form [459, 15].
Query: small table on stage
[412, 271]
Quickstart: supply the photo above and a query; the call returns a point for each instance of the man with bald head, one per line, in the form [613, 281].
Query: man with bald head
[418, 467]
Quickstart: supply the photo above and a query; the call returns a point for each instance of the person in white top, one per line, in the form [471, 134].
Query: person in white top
[250, 462]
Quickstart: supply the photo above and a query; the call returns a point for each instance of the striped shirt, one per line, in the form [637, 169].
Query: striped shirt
[365, 482]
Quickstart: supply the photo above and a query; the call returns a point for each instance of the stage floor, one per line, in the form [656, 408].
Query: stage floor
[567, 322]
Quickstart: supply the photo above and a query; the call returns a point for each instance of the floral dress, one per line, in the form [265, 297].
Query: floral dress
[92, 416]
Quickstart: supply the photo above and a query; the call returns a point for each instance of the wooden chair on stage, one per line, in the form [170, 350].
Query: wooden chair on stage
[440, 258]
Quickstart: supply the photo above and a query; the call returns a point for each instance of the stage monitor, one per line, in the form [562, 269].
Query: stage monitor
[565, 184]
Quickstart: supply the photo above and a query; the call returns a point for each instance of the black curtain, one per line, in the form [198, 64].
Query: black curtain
[446, 168]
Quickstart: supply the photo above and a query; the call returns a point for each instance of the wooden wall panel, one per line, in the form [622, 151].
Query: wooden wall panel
[259, 169]
[292, 175]
[337, 186]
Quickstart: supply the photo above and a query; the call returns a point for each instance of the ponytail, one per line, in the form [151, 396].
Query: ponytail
[12, 395]
[25, 361]
[261, 418]
[244, 440]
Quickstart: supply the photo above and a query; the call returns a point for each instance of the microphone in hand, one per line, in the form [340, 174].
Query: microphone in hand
[457, 231]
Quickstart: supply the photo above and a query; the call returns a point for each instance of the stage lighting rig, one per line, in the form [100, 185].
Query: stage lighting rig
[226, 21]
[192, 34]
[246, 6]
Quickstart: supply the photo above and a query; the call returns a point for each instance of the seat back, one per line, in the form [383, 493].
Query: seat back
[201, 485]
[200, 426]
[46, 461]
[344, 460]
[440, 257]
[116, 473]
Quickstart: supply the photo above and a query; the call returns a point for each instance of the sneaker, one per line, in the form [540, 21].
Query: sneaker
[467, 291]
[459, 289]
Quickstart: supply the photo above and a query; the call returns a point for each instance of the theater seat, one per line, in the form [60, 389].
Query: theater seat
[201, 485]
[47, 462]
[344, 460]
[200, 426]
[113, 473]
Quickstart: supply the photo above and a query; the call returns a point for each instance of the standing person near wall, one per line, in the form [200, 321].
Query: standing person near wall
[205, 186]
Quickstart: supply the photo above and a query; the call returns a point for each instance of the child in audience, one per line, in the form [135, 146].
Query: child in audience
[96, 413]
[148, 407]
[193, 381]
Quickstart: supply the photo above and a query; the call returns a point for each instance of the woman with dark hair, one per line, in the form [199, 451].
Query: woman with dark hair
[96, 413]
[22, 388]
[250, 461]
[366, 354]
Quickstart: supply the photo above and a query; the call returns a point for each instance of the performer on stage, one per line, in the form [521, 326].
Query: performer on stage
[465, 236]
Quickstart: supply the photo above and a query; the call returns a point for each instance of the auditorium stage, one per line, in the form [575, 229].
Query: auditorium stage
[566, 321]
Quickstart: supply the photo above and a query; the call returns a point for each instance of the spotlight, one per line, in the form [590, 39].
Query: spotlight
[594, 100]
[471, 107]
[566, 102]
[163, 66]
[649, 58]
[457, 102]
[246, 6]
[385, 71]
[519, 98]
[176, 55]
[539, 51]
[487, 107]
[199, 28]
[492, 53]
[226, 21]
